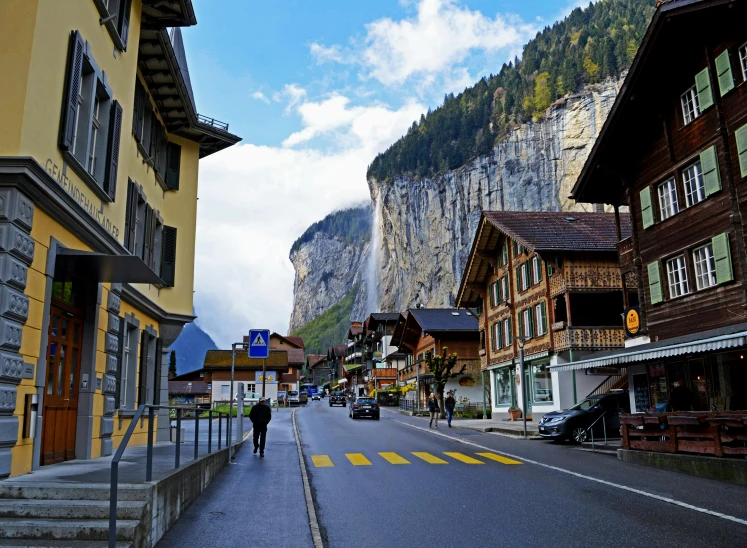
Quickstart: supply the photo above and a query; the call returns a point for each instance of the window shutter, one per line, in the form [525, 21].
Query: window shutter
[492, 298]
[505, 288]
[123, 21]
[152, 256]
[120, 364]
[741, 137]
[518, 279]
[147, 235]
[72, 90]
[499, 335]
[112, 153]
[168, 255]
[654, 283]
[520, 326]
[709, 166]
[147, 123]
[703, 88]
[549, 270]
[532, 327]
[155, 124]
[543, 313]
[142, 374]
[538, 266]
[722, 257]
[131, 217]
[723, 69]
[647, 213]
[173, 161]
[510, 332]
[492, 337]
[157, 372]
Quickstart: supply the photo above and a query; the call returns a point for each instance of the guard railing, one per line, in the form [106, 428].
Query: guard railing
[151, 412]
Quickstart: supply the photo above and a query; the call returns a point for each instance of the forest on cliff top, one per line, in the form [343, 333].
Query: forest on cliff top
[587, 47]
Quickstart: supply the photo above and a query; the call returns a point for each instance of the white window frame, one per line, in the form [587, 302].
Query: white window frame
[693, 173]
[536, 272]
[538, 320]
[743, 60]
[527, 323]
[704, 264]
[95, 127]
[667, 193]
[690, 105]
[506, 331]
[504, 287]
[525, 277]
[677, 276]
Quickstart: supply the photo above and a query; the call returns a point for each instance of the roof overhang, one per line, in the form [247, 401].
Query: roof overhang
[103, 267]
[694, 344]
[168, 13]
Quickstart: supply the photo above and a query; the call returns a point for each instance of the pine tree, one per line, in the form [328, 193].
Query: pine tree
[172, 364]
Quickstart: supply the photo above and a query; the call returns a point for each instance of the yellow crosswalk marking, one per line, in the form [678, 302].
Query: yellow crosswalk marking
[321, 461]
[394, 458]
[504, 460]
[357, 459]
[464, 458]
[427, 457]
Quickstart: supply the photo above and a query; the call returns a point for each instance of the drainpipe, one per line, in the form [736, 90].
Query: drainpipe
[573, 376]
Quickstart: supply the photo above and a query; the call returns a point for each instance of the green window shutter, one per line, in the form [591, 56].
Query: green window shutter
[520, 326]
[168, 255]
[741, 137]
[504, 253]
[505, 288]
[532, 327]
[538, 266]
[518, 279]
[647, 212]
[549, 269]
[543, 313]
[498, 335]
[654, 283]
[703, 88]
[723, 68]
[709, 166]
[722, 256]
[490, 291]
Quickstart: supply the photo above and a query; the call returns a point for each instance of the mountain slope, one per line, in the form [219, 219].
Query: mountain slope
[330, 327]
[190, 347]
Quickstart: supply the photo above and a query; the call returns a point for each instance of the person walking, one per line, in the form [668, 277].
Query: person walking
[449, 405]
[260, 415]
[434, 410]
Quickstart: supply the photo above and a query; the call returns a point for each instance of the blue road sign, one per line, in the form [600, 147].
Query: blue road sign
[259, 343]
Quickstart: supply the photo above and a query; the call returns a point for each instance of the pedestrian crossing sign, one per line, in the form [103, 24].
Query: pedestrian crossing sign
[259, 343]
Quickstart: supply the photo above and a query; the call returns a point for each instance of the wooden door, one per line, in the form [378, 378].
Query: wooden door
[61, 390]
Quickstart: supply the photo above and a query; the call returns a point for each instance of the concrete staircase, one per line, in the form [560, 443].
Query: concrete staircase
[71, 515]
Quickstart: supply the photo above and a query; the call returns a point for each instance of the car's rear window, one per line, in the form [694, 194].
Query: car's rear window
[293, 393]
[365, 400]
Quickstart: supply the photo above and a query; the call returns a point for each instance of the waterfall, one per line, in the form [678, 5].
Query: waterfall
[373, 267]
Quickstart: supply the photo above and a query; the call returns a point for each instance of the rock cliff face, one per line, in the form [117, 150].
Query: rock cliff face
[427, 225]
[326, 268]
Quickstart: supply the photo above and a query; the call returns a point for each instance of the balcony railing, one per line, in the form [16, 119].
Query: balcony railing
[586, 276]
[410, 372]
[223, 126]
[387, 373]
[625, 254]
[588, 338]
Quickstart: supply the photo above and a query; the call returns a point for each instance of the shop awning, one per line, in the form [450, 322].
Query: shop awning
[101, 267]
[659, 350]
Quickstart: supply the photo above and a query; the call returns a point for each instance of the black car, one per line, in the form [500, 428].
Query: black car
[573, 424]
[364, 407]
[337, 398]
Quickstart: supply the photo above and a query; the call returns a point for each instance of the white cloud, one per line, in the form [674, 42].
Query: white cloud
[256, 200]
[441, 35]
[292, 93]
[260, 97]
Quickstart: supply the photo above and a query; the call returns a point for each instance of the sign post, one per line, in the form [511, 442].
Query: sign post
[259, 347]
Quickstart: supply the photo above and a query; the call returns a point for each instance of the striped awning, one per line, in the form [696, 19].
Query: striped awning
[638, 354]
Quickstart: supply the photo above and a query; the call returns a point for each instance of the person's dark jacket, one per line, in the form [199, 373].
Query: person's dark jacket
[433, 405]
[450, 403]
[260, 415]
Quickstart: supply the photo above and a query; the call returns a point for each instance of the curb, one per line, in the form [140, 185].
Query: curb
[316, 534]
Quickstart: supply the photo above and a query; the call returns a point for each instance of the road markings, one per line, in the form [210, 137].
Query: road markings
[322, 461]
[427, 457]
[464, 458]
[504, 460]
[590, 478]
[357, 459]
[394, 458]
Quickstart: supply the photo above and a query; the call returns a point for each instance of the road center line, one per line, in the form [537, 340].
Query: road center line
[316, 534]
[583, 476]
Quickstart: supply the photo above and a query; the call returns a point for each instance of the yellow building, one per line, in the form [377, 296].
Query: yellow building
[99, 148]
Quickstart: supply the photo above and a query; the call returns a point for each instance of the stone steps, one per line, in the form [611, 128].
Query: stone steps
[66, 491]
[65, 529]
[69, 509]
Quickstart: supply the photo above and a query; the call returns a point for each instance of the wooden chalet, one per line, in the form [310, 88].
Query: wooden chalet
[355, 366]
[674, 151]
[335, 361]
[379, 328]
[549, 281]
[423, 330]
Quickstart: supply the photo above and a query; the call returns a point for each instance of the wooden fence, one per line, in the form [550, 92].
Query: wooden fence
[717, 433]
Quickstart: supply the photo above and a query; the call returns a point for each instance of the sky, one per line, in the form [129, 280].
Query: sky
[316, 89]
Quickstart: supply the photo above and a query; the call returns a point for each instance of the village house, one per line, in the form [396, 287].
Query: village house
[548, 282]
[99, 157]
[189, 393]
[423, 330]
[674, 150]
[335, 361]
[317, 371]
[382, 358]
[294, 347]
[354, 365]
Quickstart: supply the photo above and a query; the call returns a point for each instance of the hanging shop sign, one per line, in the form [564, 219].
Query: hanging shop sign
[632, 321]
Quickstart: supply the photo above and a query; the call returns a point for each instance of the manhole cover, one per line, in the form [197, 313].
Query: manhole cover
[217, 513]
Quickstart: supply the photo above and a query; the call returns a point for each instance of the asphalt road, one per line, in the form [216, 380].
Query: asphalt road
[557, 496]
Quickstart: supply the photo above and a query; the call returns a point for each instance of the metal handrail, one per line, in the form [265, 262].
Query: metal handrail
[604, 424]
[114, 482]
[212, 122]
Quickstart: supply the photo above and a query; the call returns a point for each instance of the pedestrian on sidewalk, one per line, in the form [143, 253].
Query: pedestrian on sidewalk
[434, 410]
[260, 415]
[449, 405]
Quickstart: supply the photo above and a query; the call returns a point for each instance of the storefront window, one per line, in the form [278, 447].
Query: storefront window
[502, 386]
[542, 384]
[657, 387]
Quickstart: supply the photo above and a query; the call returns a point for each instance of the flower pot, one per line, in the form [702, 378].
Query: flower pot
[515, 414]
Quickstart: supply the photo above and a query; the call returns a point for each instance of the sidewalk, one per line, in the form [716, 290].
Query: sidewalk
[258, 502]
[499, 423]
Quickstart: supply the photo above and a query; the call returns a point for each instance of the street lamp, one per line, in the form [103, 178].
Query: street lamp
[521, 341]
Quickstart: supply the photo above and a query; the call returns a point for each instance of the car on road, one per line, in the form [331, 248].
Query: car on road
[364, 407]
[250, 398]
[337, 398]
[293, 398]
[303, 396]
[574, 424]
[316, 396]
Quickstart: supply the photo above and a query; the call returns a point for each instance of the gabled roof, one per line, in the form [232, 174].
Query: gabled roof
[354, 330]
[188, 387]
[298, 341]
[635, 112]
[433, 321]
[295, 356]
[315, 359]
[222, 359]
[336, 351]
